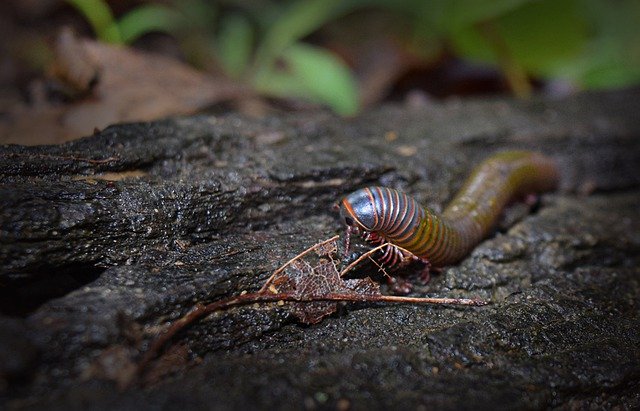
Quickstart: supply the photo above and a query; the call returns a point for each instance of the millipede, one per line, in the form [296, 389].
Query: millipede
[384, 215]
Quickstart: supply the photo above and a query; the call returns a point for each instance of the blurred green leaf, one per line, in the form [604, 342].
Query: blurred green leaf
[612, 56]
[538, 36]
[444, 16]
[148, 18]
[234, 44]
[612, 75]
[300, 19]
[467, 12]
[98, 14]
[200, 14]
[314, 74]
[542, 34]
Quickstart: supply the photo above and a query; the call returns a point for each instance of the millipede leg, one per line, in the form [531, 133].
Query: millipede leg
[347, 241]
[387, 256]
[399, 285]
[425, 273]
[392, 256]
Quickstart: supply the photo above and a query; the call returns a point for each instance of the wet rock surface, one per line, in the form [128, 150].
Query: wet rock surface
[106, 239]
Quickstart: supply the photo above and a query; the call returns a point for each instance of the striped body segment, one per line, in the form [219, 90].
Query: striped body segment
[443, 239]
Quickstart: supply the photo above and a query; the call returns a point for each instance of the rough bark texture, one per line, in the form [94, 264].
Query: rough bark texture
[105, 239]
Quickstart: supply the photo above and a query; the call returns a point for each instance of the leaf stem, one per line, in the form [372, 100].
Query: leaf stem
[514, 72]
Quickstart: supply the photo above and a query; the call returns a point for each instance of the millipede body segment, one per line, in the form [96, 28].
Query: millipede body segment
[443, 239]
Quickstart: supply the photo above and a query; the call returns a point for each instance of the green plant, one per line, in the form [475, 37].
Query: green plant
[137, 22]
[279, 65]
[284, 66]
[589, 43]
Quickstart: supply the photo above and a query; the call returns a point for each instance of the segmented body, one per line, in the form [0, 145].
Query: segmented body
[385, 214]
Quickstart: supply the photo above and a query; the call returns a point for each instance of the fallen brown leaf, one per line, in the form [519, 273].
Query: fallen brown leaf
[112, 84]
[310, 292]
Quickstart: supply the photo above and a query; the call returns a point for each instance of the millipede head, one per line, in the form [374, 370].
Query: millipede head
[357, 210]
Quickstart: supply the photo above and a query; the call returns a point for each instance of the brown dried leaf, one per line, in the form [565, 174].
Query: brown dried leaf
[304, 281]
[120, 85]
[328, 249]
[312, 291]
[73, 65]
[363, 286]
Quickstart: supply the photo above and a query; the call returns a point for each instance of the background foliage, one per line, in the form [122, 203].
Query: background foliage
[586, 43]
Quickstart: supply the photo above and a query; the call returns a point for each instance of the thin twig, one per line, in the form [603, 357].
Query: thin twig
[359, 259]
[368, 254]
[265, 295]
[380, 267]
[250, 298]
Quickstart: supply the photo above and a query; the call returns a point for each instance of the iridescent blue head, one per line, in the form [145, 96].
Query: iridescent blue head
[358, 210]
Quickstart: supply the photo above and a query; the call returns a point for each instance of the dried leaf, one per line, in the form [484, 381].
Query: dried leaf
[312, 292]
[120, 85]
[363, 286]
[72, 65]
[306, 282]
[327, 249]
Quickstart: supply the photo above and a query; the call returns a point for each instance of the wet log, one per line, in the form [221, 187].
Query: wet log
[106, 239]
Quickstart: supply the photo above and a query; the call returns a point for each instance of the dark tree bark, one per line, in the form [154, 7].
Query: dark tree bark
[105, 239]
